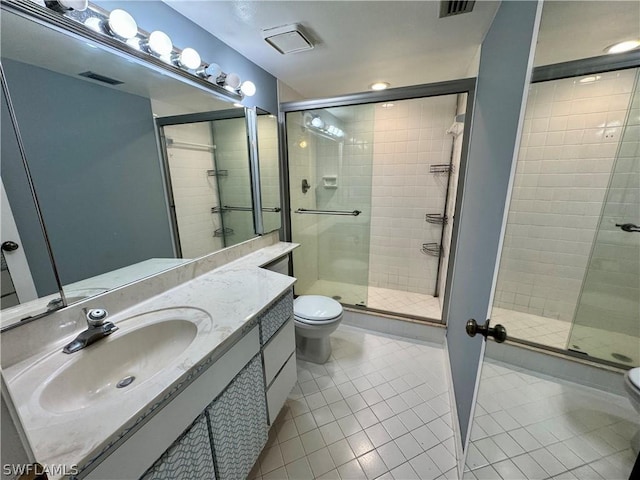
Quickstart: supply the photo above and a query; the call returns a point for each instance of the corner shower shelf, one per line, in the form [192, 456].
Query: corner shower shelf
[223, 232]
[441, 168]
[432, 249]
[436, 218]
[217, 173]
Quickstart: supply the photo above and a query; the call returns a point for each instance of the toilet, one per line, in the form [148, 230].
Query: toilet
[315, 318]
[632, 386]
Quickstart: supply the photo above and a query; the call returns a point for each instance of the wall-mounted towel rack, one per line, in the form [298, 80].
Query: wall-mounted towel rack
[354, 213]
[172, 143]
[436, 218]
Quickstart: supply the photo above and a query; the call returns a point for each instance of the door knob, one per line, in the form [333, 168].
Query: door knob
[9, 246]
[499, 333]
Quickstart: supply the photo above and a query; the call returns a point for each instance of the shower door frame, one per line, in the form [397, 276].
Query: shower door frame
[451, 87]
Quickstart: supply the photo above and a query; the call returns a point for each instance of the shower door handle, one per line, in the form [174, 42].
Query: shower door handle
[499, 333]
[628, 227]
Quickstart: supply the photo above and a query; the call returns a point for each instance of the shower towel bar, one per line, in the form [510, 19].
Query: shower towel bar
[243, 209]
[355, 213]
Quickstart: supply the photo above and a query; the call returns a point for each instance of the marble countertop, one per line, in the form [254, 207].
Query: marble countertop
[232, 295]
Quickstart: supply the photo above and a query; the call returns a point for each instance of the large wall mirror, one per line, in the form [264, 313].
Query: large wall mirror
[120, 199]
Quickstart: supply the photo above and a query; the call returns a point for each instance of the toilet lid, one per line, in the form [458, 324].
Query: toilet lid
[316, 308]
[634, 376]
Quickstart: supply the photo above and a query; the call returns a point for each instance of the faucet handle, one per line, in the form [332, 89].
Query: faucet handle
[96, 317]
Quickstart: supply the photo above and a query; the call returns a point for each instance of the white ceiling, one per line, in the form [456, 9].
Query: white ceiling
[401, 42]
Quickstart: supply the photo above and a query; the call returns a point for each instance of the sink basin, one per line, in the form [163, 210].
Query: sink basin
[144, 346]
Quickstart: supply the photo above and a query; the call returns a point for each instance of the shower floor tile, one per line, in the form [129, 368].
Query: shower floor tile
[385, 299]
[390, 400]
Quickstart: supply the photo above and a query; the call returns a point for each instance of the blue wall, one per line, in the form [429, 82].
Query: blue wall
[93, 155]
[156, 15]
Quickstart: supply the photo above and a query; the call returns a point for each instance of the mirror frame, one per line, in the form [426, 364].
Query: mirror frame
[66, 25]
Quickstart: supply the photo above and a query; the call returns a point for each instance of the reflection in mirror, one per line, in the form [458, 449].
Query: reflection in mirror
[207, 169]
[267, 127]
[86, 115]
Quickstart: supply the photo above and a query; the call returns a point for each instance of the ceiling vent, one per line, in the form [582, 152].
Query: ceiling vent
[288, 39]
[100, 78]
[455, 7]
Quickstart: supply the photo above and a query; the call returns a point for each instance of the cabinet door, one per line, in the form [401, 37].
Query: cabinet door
[238, 420]
[188, 458]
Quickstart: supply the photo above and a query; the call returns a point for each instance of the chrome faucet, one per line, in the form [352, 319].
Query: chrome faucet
[97, 328]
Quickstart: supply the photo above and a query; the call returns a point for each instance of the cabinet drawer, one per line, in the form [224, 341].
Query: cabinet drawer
[273, 318]
[281, 388]
[277, 351]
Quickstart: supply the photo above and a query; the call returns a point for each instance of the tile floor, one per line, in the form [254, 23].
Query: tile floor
[531, 426]
[380, 409]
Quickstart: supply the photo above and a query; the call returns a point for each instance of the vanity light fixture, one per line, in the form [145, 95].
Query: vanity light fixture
[248, 88]
[64, 6]
[158, 44]
[379, 86]
[189, 59]
[211, 72]
[623, 46]
[121, 25]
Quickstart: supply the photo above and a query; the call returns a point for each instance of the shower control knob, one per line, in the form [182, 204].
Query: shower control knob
[499, 333]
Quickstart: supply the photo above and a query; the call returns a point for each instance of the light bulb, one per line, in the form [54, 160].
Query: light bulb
[248, 88]
[94, 23]
[159, 44]
[122, 25]
[317, 122]
[211, 72]
[232, 80]
[189, 59]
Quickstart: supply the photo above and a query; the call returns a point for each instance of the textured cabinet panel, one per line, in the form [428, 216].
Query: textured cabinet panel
[273, 318]
[188, 458]
[278, 350]
[238, 420]
[281, 388]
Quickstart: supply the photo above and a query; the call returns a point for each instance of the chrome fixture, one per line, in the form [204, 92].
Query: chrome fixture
[305, 211]
[120, 25]
[97, 328]
[499, 333]
[628, 227]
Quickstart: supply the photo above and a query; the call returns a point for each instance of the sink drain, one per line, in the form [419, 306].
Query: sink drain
[125, 382]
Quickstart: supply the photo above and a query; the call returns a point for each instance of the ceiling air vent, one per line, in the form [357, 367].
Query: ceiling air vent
[455, 7]
[100, 78]
[288, 39]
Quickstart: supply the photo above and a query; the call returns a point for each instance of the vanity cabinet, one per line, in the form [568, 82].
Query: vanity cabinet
[277, 337]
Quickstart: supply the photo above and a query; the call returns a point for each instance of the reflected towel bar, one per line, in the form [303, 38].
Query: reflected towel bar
[355, 213]
[243, 209]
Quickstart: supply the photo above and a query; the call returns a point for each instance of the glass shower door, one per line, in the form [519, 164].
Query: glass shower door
[607, 320]
[330, 167]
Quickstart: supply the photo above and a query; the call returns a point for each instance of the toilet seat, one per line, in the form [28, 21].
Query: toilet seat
[316, 310]
[634, 377]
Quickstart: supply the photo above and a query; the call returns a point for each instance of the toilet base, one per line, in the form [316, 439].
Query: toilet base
[314, 350]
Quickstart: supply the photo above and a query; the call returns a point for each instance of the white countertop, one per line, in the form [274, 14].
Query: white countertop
[232, 295]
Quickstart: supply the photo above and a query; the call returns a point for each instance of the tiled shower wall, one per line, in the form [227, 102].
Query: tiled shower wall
[571, 135]
[194, 192]
[407, 138]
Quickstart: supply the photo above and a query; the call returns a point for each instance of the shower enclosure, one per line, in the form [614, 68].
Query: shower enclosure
[372, 189]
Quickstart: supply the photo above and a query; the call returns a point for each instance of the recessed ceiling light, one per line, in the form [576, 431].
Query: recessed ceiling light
[590, 79]
[379, 86]
[623, 46]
